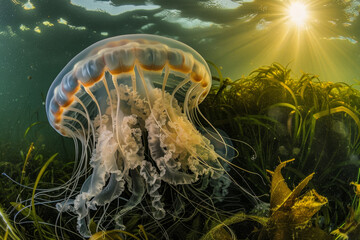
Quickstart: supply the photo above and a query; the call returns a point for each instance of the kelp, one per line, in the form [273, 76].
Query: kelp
[120, 235]
[291, 213]
[31, 125]
[284, 117]
[279, 116]
[33, 211]
[351, 227]
[7, 230]
[26, 161]
[21, 174]
[37, 168]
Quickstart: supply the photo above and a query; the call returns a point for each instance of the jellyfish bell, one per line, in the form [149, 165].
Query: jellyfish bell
[147, 60]
[132, 103]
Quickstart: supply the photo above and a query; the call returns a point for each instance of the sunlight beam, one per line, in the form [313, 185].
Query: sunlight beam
[297, 13]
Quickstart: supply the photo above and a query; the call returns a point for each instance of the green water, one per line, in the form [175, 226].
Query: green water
[238, 37]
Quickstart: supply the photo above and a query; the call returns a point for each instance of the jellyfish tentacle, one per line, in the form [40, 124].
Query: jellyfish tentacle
[165, 78]
[163, 147]
[138, 190]
[187, 99]
[91, 130]
[71, 121]
[133, 150]
[82, 226]
[88, 91]
[117, 120]
[153, 183]
[224, 148]
[145, 86]
[80, 162]
[101, 161]
[180, 85]
[104, 81]
[121, 97]
[110, 192]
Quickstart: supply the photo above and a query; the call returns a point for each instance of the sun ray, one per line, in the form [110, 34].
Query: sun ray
[298, 14]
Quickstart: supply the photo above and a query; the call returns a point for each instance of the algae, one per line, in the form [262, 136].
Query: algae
[270, 117]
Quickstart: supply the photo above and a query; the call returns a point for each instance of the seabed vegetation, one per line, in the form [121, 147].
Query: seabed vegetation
[298, 141]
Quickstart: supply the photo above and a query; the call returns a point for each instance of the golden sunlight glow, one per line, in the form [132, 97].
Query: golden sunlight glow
[311, 36]
[297, 13]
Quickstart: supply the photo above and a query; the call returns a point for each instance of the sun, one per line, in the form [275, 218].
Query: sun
[298, 14]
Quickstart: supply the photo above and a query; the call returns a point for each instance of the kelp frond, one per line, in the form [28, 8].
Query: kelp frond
[283, 117]
[7, 230]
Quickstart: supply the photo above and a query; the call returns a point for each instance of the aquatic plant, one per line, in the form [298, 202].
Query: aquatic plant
[283, 117]
[290, 213]
[351, 227]
[117, 234]
[131, 102]
[277, 115]
[7, 230]
[19, 179]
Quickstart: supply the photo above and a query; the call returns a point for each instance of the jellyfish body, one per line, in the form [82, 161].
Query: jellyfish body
[132, 103]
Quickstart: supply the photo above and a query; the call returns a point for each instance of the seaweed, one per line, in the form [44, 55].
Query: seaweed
[118, 234]
[270, 116]
[283, 117]
[21, 174]
[350, 229]
[7, 230]
[290, 213]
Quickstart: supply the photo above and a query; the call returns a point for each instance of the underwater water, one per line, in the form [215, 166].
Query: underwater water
[188, 143]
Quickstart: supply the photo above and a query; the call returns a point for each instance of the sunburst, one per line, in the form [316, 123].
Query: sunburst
[298, 14]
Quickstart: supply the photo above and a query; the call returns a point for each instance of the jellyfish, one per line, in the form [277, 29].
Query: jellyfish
[131, 105]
